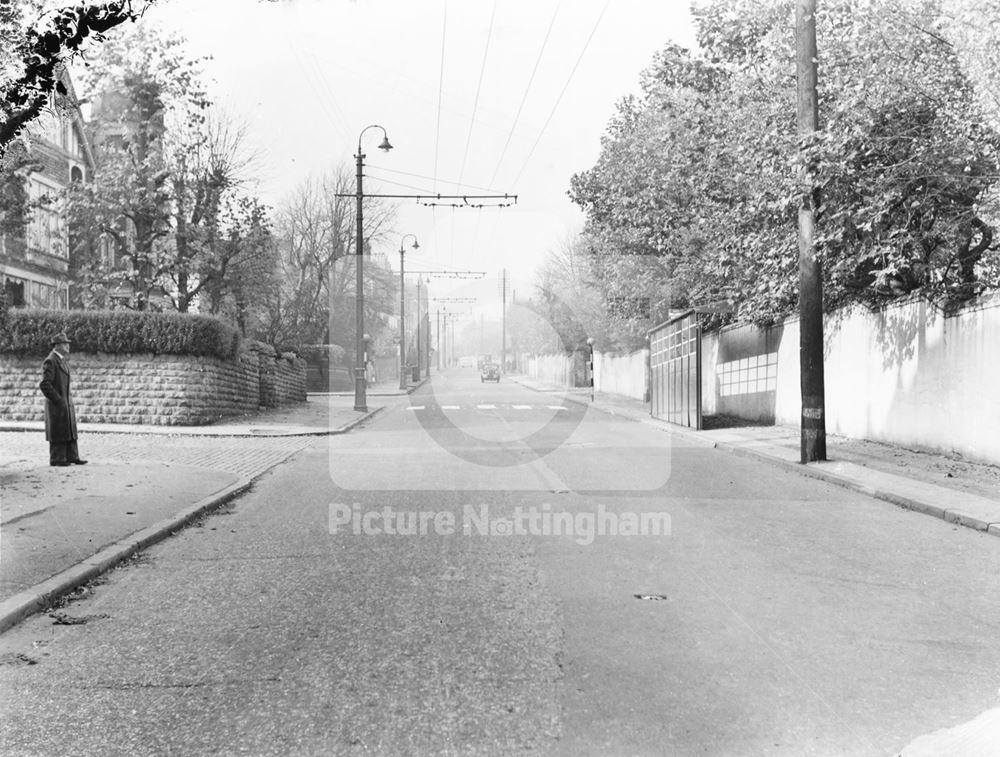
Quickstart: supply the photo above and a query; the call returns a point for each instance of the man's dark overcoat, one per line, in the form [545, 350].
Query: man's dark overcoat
[60, 417]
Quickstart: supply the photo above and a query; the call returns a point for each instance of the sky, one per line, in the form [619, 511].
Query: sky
[476, 97]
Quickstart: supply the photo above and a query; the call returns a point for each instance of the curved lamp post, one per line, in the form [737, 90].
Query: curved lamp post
[360, 394]
[420, 280]
[402, 310]
[590, 344]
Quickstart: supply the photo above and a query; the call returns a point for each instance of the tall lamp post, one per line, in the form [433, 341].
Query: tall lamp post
[590, 345]
[419, 282]
[360, 397]
[402, 311]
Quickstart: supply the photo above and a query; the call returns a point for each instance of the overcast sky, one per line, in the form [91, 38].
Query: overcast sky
[477, 96]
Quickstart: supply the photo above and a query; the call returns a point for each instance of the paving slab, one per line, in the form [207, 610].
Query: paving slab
[52, 518]
[951, 488]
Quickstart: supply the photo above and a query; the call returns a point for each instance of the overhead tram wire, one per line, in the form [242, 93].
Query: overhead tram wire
[527, 89]
[322, 101]
[421, 190]
[520, 107]
[472, 119]
[555, 106]
[437, 127]
[429, 178]
[479, 87]
[435, 199]
[329, 90]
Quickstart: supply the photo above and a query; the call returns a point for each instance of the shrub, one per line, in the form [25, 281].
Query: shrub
[321, 353]
[28, 332]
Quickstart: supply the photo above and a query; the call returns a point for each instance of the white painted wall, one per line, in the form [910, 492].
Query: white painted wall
[906, 375]
[552, 369]
[626, 375]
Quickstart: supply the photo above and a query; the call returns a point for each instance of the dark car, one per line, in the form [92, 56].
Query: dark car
[490, 372]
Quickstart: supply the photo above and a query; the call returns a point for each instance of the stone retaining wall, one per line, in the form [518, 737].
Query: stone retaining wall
[282, 379]
[156, 389]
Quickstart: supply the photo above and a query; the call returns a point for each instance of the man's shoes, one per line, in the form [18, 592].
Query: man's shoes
[64, 462]
[78, 462]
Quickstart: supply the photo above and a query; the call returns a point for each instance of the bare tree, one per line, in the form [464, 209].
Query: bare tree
[316, 248]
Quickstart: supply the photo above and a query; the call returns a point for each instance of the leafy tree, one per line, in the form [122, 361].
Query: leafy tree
[169, 192]
[908, 163]
[148, 103]
[239, 276]
[37, 41]
[695, 192]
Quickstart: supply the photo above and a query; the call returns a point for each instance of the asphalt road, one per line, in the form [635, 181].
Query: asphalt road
[402, 590]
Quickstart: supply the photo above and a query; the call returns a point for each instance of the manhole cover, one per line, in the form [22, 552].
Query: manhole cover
[650, 597]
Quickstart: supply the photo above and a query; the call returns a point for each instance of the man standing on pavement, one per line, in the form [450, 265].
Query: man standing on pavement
[60, 417]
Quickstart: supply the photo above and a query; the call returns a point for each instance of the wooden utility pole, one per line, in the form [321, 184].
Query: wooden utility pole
[810, 272]
[503, 322]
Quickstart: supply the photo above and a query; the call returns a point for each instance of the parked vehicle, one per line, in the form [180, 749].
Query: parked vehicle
[490, 372]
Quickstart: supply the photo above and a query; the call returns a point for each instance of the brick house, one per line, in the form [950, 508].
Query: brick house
[34, 266]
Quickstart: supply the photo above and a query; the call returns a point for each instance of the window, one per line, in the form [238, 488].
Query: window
[47, 228]
[749, 375]
[14, 289]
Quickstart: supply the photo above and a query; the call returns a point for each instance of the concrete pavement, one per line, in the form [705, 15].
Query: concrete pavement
[956, 490]
[61, 527]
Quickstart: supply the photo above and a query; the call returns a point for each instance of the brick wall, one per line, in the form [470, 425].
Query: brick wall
[156, 389]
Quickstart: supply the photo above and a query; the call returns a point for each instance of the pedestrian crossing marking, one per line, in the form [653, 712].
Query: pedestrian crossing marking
[490, 407]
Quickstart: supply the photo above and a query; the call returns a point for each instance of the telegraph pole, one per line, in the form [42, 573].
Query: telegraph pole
[503, 321]
[813, 440]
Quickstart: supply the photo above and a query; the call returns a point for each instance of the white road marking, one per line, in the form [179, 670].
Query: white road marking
[451, 407]
[521, 407]
[415, 407]
[556, 407]
[486, 407]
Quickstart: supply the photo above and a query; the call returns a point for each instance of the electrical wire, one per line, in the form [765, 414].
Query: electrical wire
[421, 190]
[307, 75]
[331, 97]
[479, 86]
[437, 129]
[555, 106]
[527, 89]
[431, 178]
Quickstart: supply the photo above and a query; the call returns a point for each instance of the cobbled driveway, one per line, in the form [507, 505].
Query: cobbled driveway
[244, 456]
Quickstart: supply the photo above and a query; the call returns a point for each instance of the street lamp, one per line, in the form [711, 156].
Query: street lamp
[419, 282]
[590, 343]
[402, 311]
[360, 398]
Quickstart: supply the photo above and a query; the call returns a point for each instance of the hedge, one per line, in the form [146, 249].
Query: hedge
[28, 331]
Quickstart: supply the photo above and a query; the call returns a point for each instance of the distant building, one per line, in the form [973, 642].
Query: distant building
[34, 264]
